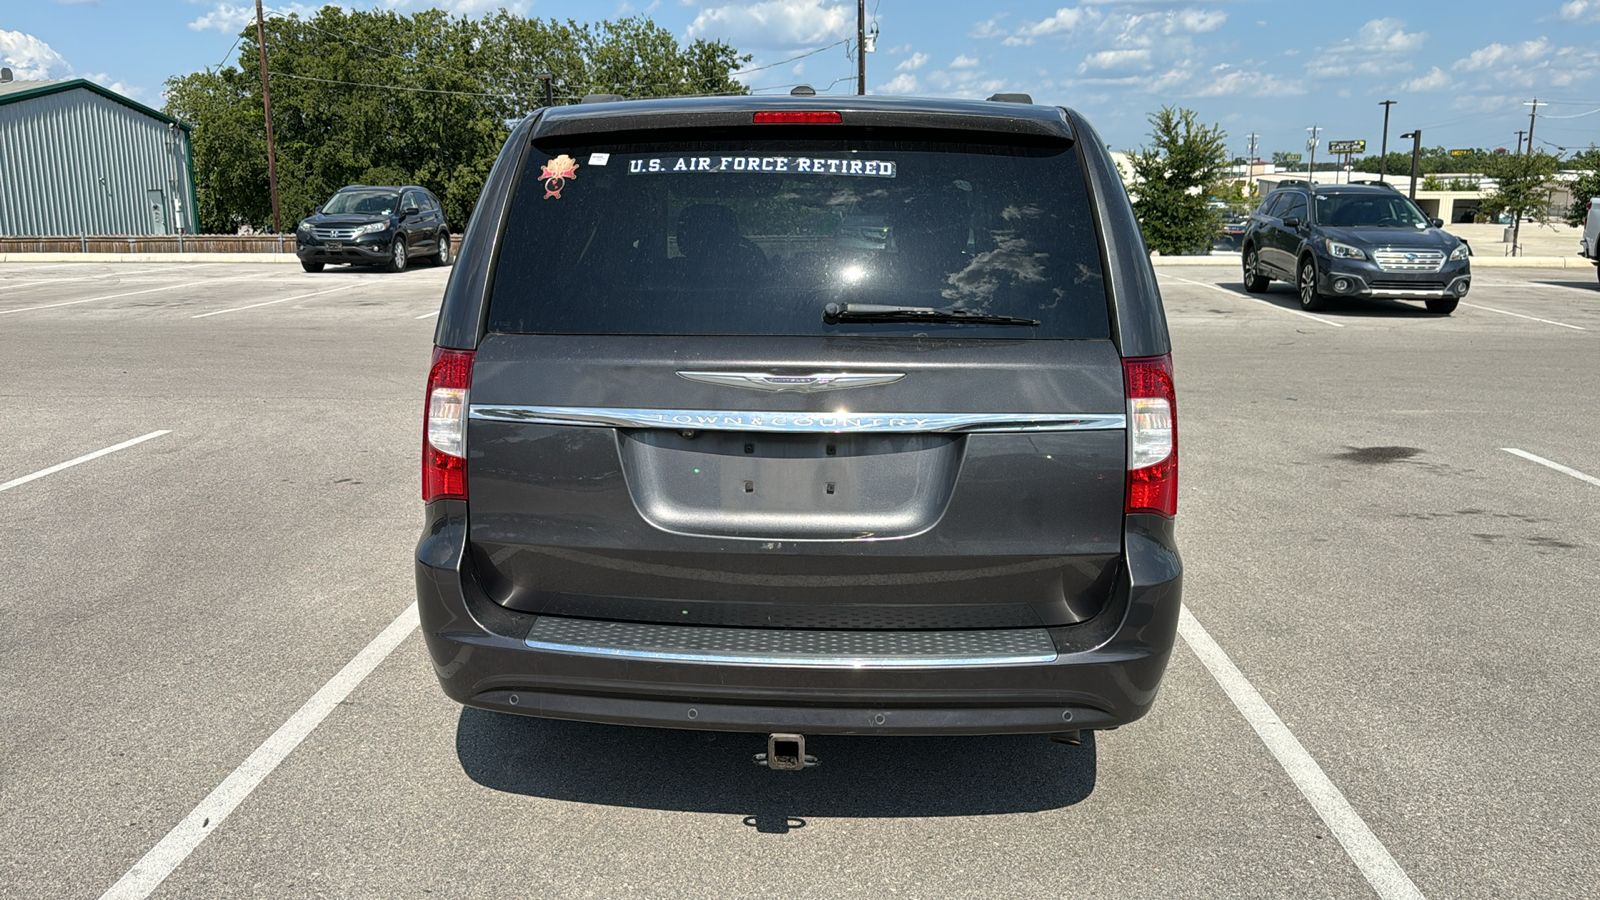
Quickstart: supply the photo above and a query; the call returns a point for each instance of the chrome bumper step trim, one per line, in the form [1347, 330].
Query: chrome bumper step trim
[711, 645]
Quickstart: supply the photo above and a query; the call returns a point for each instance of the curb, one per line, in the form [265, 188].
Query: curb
[277, 258]
[1478, 262]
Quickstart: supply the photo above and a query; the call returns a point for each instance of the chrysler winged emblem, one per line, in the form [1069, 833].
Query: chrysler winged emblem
[804, 384]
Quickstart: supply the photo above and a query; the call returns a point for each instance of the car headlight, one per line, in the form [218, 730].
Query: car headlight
[373, 228]
[305, 228]
[1345, 251]
[1460, 252]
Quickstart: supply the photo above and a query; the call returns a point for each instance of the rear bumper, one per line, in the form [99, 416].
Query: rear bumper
[1106, 671]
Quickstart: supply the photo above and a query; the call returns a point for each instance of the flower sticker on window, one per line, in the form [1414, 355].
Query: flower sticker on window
[556, 173]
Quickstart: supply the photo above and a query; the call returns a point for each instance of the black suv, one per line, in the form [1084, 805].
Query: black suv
[702, 452]
[1353, 240]
[374, 225]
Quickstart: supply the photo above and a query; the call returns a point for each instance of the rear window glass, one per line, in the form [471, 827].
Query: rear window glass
[759, 237]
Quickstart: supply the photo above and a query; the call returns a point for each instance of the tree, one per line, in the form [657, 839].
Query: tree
[1587, 187]
[1173, 179]
[377, 97]
[1524, 184]
[1286, 160]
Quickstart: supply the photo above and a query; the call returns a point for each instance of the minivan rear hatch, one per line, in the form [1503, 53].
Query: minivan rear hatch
[826, 377]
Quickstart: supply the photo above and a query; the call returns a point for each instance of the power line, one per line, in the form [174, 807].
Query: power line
[790, 59]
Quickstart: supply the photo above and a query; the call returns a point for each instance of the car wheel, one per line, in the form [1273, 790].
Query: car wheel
[311, 266]
[1443, 307]
[443, 258]
[1254, 281]
[1310, 299]
[397, 257]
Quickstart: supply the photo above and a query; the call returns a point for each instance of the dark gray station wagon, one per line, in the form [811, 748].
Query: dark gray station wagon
[803, 415]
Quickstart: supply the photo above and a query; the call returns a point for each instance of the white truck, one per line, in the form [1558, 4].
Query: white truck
[1590, 245]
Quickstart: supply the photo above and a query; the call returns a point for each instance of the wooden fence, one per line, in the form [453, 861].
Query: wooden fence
[163, 243]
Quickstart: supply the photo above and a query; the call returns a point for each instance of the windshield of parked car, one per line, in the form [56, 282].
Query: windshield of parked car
[1368, 211]
[758, 237]
[374, 203]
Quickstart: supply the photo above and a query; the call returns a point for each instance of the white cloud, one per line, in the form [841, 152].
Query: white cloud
[775, 23]
[31, 59]
[1380, 47]
[1579, 10]
[904, 83]
[964, 62]
[1251, 82]
[1116, 60]
[231, 18]
[1433, 81]
[912, 63]
[1066, 20]
[104, 80]
[1497, 55]
[988, 28]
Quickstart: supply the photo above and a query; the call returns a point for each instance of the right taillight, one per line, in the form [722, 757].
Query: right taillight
[1152, 435]
[444, 427]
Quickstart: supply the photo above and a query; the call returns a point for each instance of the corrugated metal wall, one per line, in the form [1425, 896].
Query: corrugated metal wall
[75, 162]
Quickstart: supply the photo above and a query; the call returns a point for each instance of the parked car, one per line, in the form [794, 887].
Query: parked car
[686, 466]
[1589, 244]
[1334, 241]
[1232, 236]
[374, 225]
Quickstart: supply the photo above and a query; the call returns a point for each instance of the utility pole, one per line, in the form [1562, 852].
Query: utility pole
[1531, 116]
[1520, 133]
[1383, 158]
[861, 47]
[1416, 158]
[266, 103]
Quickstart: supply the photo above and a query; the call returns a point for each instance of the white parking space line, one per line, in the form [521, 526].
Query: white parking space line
[153, 868]
[168, 287]
[428, 315]
[1238, 296]
[1521, 316]
[17, 482]
[1365, 850]
[219, 312]
[131, 273]
[1543, 462]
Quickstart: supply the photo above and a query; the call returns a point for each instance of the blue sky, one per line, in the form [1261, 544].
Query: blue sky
[1461, 71]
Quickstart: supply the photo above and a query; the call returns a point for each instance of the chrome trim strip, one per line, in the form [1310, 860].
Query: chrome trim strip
[804, 384]
[810, 649]
[799, 422]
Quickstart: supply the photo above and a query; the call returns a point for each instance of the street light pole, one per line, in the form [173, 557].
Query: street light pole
[266, 103]
[1311, 164]
[1383, 158]
[1416, 158]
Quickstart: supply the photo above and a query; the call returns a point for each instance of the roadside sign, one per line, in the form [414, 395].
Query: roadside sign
[1347, 146]
[1462, 152]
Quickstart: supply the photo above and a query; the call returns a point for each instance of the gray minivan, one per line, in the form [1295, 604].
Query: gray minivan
[803, 415]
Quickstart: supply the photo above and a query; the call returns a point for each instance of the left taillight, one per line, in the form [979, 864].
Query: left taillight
[1152, 436]
[444, 426]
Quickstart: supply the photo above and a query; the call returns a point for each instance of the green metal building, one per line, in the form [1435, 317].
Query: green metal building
[79, 159]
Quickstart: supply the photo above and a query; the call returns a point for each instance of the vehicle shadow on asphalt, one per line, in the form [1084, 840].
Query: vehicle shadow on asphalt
[1285, 297]
[1585, 285]
[713, 772]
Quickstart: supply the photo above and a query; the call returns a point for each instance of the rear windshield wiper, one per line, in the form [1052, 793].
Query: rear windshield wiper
[876, 312]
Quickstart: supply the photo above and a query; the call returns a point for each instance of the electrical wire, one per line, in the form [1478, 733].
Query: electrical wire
[790, 59]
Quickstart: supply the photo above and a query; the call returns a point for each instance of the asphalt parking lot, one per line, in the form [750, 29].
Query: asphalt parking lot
[198, 626]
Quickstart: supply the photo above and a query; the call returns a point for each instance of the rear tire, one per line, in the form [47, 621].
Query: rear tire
[1444, 307]
[311, 266]
[1254, 281]
[397, 257]
[443, 257]
[1310, 299]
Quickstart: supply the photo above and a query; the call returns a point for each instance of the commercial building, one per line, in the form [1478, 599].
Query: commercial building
[80, 159]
